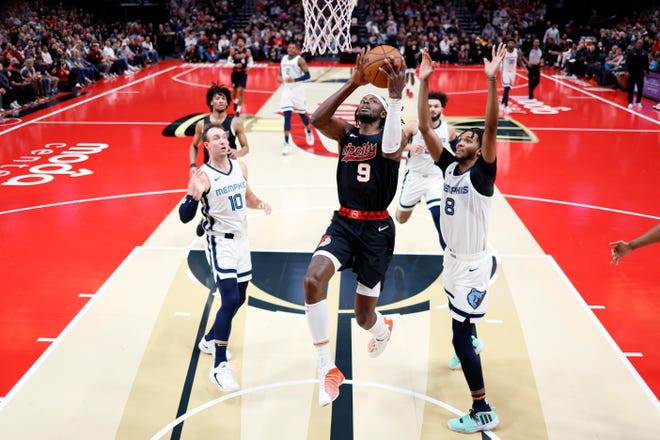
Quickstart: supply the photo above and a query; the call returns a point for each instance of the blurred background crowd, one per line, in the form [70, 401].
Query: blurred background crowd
[52, 46]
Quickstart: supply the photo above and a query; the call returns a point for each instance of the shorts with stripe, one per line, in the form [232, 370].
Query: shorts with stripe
[366, 246]
[508, 79]
[293, 99]
[417, 185]
[466, 283]
[229, 257]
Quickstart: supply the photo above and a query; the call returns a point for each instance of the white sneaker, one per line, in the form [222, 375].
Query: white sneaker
[221, 376]
[377, 346]
[507, 110]
[14, 105]
[287, 147]
[208, 348]
[657, 106]
[455, 363]
[630, 105]
[330, 379]
[639, 105]
[309, 137]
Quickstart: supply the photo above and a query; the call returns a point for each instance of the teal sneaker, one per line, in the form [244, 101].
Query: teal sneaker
[455, 363]
[475, 421]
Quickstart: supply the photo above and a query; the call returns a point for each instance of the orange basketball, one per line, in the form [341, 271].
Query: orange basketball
[374, 59]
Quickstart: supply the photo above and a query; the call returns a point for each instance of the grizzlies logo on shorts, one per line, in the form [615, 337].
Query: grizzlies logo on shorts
[475, 297]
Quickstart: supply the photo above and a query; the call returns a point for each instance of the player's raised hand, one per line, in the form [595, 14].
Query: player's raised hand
[395, 71]
[491, 67]
[426, 67]
[358, 73]
[199, 183]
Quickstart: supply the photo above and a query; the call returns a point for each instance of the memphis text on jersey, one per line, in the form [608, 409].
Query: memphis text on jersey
[455, 189]
[230, 188]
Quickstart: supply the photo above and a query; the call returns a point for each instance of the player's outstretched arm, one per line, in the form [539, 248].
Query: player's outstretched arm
[239, 129]
[491, 68]
[323, 119]
[194, 146]
[431, 140]
[392, 134]
[622, 248]
[199, 184]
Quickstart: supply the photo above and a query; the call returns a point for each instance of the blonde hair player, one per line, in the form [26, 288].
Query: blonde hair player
[221, 185]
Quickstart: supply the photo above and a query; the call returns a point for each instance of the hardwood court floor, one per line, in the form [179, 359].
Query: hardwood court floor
[102, 305]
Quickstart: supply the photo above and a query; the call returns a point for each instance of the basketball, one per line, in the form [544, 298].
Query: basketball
[374, 59]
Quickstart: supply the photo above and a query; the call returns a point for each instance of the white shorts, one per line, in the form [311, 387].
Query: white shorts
[417, 185]
[508, 79]
[229, 257]
[466, 283]
[293, 99]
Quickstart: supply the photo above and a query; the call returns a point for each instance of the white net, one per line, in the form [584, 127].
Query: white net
[327, 25]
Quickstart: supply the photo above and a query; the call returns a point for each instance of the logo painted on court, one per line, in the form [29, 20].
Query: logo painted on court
[507, 129]
[184, 126]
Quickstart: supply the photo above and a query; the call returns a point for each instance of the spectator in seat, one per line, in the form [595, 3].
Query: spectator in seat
[24, 88]
[8, 97]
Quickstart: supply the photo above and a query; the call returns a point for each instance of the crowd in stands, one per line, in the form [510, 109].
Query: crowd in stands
[44, 51]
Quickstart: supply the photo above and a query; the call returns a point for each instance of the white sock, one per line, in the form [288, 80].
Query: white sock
[317, 321]
[380, 329]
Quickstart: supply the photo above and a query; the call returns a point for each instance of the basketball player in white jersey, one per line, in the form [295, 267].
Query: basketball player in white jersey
[511, 61]
[293, 71]
[221, 185]
[422, 177]
[467, 194]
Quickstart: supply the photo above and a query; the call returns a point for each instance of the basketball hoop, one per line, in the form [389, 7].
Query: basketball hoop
[327, 25]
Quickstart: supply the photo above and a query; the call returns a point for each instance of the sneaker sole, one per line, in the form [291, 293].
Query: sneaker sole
[487, 427]
[224, 389]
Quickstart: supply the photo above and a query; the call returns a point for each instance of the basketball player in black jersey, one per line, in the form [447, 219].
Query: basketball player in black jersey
[361, 233]
[218, 99]
[411, 55]
[240, 57]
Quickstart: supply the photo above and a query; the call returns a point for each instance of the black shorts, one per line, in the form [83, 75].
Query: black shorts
[238, 79]
[366, 246]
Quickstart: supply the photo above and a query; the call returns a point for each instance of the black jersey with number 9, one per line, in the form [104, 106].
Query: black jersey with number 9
[366, 181]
